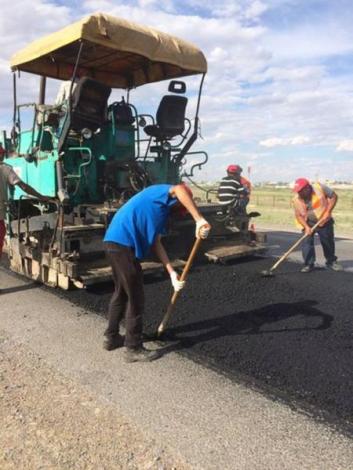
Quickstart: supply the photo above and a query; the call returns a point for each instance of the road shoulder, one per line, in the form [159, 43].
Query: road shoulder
[51, 421]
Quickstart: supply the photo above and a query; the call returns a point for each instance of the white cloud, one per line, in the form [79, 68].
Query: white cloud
[345, 146]
[310, 40]
[282, 142]
[301, 74]
[255, 10]
[299, 140]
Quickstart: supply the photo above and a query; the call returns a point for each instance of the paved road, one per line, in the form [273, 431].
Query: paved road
[201, 417]
[281, 240]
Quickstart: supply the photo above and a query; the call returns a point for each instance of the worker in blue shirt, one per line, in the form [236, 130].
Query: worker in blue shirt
[133, 233]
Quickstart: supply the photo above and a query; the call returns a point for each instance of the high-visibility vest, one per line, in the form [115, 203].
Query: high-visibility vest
[319, 203]
[246, 183]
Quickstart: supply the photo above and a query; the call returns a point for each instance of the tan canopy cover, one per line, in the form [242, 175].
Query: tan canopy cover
[116, 52]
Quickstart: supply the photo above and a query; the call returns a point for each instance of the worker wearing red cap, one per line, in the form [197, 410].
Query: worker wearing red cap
[232, 192]
[314, 202]
[133, 233]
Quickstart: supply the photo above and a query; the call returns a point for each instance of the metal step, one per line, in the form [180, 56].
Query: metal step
[92, 273]
[228, 251]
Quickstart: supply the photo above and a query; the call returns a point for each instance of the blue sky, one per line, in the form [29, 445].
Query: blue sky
[279, 92]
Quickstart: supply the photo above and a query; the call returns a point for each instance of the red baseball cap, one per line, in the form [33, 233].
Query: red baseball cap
[234, 169]
[300, 184]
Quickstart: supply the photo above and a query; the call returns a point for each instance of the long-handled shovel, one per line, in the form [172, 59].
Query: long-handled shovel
[269, 272]
[182, 278]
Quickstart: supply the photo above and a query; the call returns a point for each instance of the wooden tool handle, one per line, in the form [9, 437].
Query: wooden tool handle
[182, 278]
[293, 247]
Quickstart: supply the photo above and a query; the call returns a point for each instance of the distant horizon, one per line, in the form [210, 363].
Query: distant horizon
[288, 183]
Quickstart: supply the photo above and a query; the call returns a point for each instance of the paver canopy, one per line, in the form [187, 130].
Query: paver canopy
[115, 51]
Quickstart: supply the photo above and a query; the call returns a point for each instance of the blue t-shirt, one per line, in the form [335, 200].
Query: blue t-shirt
[141, 219]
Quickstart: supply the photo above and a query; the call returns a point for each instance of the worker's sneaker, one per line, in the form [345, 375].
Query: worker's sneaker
[307, 268]
[140, 354]
[334, 266]
[233, 228]
[114, 342]
[253, 214]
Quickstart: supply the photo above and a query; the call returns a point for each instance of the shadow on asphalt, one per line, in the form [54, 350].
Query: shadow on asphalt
[346, 263]
[246, 323]
[15, 289]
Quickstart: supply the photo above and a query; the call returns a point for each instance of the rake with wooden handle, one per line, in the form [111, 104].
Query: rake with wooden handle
[183, 276]
[269, 272]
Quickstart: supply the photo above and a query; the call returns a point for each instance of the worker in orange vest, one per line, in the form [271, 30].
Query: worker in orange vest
[314, 202]
[246, 183]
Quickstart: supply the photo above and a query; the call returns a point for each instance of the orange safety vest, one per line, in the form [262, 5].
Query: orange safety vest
[319, 203]
[245, 182]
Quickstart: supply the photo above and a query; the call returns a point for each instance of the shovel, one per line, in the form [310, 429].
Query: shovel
[183, 276]
[269, 272]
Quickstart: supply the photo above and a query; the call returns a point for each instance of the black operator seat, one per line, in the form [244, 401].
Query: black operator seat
[88, 108]
[89, 104]
[170, 118]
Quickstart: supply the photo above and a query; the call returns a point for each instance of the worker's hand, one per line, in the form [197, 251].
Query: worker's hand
[177, 285]
[324, 219]
[202, 229]
[308, 231]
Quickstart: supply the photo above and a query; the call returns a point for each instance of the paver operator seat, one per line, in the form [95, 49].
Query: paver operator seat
[88, 108]
[170, 118]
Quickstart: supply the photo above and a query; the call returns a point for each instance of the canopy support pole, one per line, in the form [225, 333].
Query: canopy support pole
[179, 157]
[74, 74]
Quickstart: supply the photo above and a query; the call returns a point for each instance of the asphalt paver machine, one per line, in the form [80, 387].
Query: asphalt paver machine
[91, 153]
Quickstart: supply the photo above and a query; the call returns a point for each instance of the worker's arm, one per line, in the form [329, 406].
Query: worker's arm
[202, 226]
[186, 200]
[32, 192]
[303, 222]
[332, 201]
[161, 254]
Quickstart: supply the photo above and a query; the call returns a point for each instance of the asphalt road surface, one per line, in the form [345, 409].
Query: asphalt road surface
[280, 241]
[290, 336]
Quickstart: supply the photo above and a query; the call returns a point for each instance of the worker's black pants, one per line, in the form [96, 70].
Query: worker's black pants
[238, 207]
[128, 298]
[327, 239]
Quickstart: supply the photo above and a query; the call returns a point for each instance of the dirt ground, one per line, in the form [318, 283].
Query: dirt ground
[49, 422]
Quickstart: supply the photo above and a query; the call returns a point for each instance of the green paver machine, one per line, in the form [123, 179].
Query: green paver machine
[91, 154]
